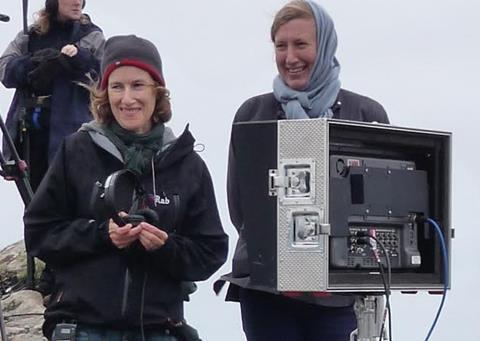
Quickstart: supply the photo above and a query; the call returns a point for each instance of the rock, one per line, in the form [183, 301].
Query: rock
[22, 309]
[23, 315]
[13, 266]
[13, 261]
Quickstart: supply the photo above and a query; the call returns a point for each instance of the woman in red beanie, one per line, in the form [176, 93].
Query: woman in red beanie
[118, 280]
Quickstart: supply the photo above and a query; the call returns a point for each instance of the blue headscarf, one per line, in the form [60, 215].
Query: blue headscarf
[319, 96]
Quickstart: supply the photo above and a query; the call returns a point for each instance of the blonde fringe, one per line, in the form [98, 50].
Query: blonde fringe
[42, 21]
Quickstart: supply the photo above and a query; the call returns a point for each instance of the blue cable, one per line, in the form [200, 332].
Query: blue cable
[438, 230]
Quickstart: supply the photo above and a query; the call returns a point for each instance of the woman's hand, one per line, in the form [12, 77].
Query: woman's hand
[123, 236]
[151, 237]
[70, 50]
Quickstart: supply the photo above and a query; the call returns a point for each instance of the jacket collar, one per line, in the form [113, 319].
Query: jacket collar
[173, 148]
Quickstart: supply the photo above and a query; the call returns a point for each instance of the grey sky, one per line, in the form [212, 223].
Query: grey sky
[420, 59]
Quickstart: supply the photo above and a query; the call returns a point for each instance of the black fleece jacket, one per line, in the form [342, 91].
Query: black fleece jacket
[98, 284]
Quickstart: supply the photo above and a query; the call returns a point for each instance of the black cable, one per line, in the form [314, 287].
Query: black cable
[364, 237]
[386, 284]
[387, 304]
[387, 259]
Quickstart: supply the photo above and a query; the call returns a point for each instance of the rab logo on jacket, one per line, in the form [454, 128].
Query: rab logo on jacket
[159, 200]
[162, 201]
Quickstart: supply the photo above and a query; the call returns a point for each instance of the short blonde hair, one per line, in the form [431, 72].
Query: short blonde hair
[295, 9]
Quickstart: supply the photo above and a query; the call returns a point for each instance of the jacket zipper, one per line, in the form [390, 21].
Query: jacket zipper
[176, 209]
[126, 286]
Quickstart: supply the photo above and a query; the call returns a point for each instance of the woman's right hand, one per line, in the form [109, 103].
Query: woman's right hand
[69, 50]
[123, 236]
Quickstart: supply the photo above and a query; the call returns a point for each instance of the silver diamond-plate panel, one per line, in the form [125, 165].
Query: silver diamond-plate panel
[303, 269]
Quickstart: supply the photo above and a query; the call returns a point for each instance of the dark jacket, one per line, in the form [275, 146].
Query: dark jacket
[61, 229]
[69, 101]
[348, 106]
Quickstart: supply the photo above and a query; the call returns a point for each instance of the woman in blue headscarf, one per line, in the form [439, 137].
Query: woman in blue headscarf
[307, 86]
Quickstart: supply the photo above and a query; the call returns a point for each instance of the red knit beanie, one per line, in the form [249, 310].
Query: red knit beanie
[131, 51]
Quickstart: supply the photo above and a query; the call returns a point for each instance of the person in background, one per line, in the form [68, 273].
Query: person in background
[125, 281]
[307, 86]
[45, 66]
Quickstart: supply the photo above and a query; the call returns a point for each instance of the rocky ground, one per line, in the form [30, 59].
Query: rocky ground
[22, 309]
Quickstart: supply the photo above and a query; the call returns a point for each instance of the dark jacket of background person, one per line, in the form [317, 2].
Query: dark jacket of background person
[60, 228]
[349, 106]
[69, 101]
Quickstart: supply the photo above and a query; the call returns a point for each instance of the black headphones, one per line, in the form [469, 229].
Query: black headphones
[51, 6]
[118, 194]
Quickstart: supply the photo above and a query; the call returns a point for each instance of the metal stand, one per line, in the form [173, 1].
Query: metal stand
[370, 312]
[23, 186]
[22, 183]
[3, 331]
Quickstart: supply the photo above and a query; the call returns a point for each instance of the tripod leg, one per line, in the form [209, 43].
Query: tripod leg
[22, 183]
[30, 282]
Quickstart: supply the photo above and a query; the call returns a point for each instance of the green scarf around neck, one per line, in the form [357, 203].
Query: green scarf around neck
[137, 149]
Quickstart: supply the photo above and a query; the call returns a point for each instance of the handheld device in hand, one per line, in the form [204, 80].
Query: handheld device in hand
[133, 219]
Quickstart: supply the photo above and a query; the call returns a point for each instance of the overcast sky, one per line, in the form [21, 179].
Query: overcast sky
[420, 59]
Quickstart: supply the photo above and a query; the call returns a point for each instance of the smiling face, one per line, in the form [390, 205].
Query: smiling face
[132, 97]
[69, 9]
[295, 52]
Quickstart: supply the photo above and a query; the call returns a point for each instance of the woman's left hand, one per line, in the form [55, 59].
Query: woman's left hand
[152, 237]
